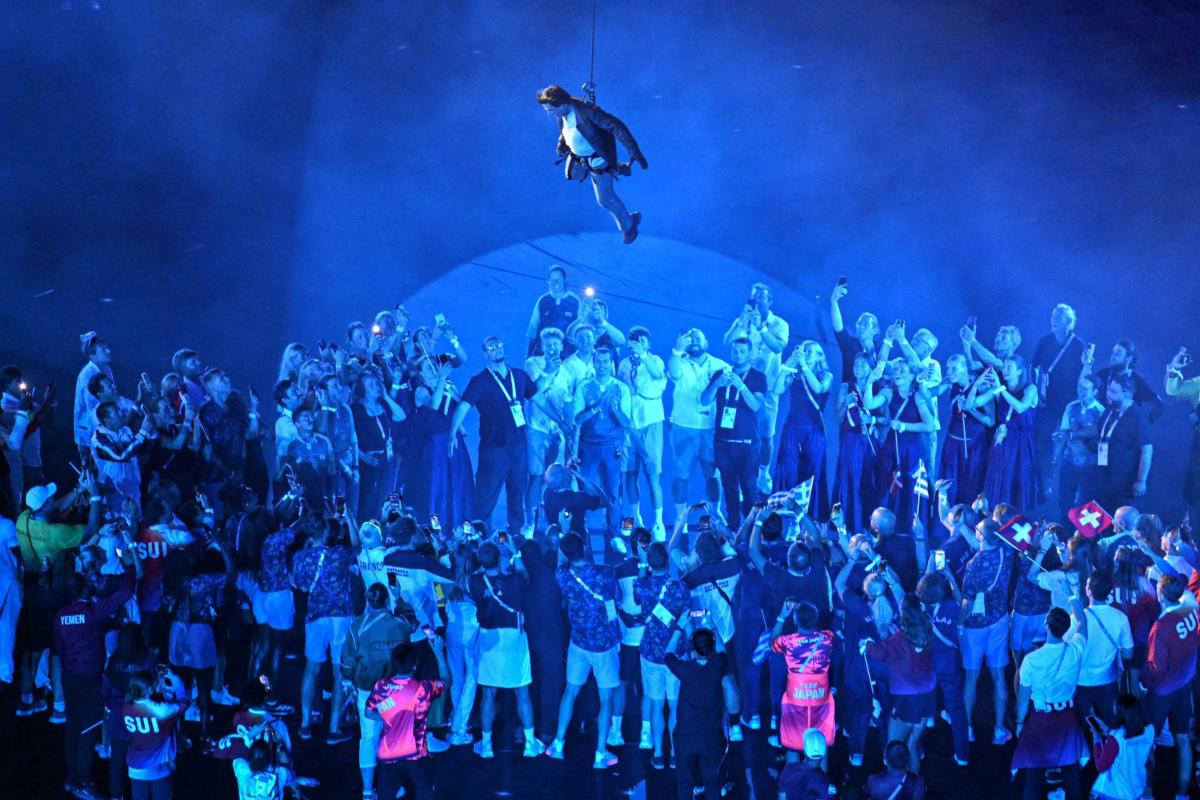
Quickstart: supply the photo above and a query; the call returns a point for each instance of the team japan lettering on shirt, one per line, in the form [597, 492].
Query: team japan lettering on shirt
[809, 690]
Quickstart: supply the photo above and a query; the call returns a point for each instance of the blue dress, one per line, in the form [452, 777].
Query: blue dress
[964, 452]
[445, 483]
[802, 446]
[854, 479]
[899, 456]
[1012, 464]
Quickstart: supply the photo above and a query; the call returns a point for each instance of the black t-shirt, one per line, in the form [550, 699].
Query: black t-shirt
[900, 551]
[958, 552]
[1128, 434]
[1060, 388]
[576, 502]
[547, 626]
[497, 427]
[745, 421]
[811, 587]
[701, 701]
[850, 346]
[507, 590]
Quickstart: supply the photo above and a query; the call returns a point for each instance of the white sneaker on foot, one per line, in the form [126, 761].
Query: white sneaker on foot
[645, 742]
[483, 748]
[534, 748]
[604, 760]
[555, 750]
[615, 737]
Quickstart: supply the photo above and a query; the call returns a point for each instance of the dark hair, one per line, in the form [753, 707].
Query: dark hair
[1058, 622]
[708, 547]
[799, 552]
[377, 596]
[772, 527]
[11, 372]
[931, 588]
[261, 755]
[488, 555]
[1129, 711]
[554, 267]
[105, 408]
[895, 755]
[1131, 350]
[1172, 587]
[807, 616]
[571, 546]
[704, 642]
[964, 514]
[1101, 584]
[554, 95]
[94, 383]
[657, 556]
[404, 659]
[1124, 381]
[281, 389]
[914, 622]
[253, 694]
[1004, 513]
[603, 349]
[180, 357]
[638, 332]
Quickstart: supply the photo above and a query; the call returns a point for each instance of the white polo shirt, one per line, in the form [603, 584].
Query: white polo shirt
[647, 392]
[1108, 633]
[1052, 672]
[688, 411]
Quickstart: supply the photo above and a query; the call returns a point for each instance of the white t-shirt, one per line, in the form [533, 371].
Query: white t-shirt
[557, 393]
[8, 541]
[1100, 653]
[694, 376]
[1052, 672]
[579, 145]
[371, 568]
[1126, 778]
[647, 391]
[266, 785]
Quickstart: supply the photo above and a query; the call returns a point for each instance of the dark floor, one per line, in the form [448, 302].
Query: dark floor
[31, 759]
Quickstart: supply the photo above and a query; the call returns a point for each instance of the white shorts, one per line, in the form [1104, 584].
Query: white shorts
[325, 634]
[606, 665]
[658, 682]
[503, 658]
[276, 610]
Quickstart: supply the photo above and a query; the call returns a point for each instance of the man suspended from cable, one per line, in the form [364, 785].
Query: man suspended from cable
[587, 142]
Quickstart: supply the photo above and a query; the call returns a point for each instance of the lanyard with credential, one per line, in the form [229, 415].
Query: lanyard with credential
[510, 396]
[1107, 430]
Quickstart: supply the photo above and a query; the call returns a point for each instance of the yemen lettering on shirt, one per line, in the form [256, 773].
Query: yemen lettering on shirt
[1171, 654]
[704, 581]
[808, 656]
[403, 705]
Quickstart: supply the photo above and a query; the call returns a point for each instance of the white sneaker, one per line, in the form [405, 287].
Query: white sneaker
[555, 750]
[615, 737]
[223, 697]
[534, 748]
[457, 739]
[856, 759]
[646, 741]
[103, 751]
[659, 532]
[773, 740]
[192, 714]
[604, 760]
[754, 723]
[434, 744]
[735, 732]
[483, 748]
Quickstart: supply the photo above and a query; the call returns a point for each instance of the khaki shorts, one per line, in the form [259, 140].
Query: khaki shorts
[643, 449]
[690, 445]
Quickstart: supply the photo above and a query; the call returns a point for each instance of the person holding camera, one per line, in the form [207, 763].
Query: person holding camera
[691, 369]
[985, 622]
[645, 374]
[866, 332]
[806, 378]
[1124, 452]
[699, 742]
[1012, 474]
[807, 700]
[1188, 389]
[601, 415]
[401, 703]
[502, 649]
[154, 707]
[321, 569]
[908, 655]
[79, 630]
[738, 392]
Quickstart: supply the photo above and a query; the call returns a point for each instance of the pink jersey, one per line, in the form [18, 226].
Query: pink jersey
[808, 656]
[403, 705]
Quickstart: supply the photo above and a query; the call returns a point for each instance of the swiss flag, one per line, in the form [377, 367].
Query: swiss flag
[1089, 519]
[1020, 532]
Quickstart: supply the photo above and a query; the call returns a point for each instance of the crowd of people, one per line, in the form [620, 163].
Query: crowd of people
[841, 559]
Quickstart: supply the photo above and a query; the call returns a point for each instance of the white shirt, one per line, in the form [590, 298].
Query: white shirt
[557, 393]
[85, 404]
[1126, 779]
[1052, 672]
[1100, 654]
[8, 541]
[647, 391]
[688, 411]
[1061, 585]
[574, 139]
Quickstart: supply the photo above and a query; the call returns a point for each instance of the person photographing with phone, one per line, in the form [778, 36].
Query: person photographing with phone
[808, 652]
[699, 741]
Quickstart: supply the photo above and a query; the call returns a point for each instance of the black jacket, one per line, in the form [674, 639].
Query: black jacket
[602, 130]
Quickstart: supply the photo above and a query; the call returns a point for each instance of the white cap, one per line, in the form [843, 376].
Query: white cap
[36, 497]
[370, 534]
[814, 744]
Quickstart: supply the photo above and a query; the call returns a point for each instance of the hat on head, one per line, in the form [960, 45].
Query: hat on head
[36, 497]
[814, 744]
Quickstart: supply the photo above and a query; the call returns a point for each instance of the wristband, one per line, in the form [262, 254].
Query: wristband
[94, 498]
[454, 342]
[253, 415]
